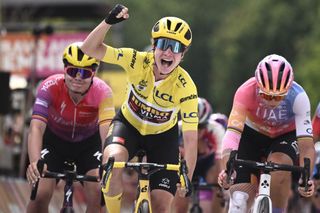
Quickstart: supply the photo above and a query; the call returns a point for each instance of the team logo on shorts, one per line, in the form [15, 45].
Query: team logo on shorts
[165, 182]
[44, 152]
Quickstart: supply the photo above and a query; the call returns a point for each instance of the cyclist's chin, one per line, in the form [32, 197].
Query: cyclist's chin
[273, 103]
[166, 70]
[77, 90]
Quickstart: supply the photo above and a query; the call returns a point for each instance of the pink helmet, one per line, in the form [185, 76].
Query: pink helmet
[274, 75]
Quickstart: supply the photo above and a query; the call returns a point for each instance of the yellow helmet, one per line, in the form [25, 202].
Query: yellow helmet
[74, 56]
[173, 28]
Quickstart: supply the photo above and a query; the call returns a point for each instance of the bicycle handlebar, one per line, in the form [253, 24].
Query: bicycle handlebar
[151, 168]
[67, 175]
[268, 167]
[34, 190]
[70, 175]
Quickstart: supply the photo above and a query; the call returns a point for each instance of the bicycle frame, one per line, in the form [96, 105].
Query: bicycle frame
[144, 170]
[70, 176]
[263, 201]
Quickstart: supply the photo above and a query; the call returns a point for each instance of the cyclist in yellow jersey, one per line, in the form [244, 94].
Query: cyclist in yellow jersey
[157, 89]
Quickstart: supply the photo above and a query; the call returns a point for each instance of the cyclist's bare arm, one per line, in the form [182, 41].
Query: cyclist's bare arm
[36, 131]
[190, 138]
[93, 45]
[231, 140]
[103, 130]
[306, 149]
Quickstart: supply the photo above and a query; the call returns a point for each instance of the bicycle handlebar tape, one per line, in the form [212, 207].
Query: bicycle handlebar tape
[111, 17]
[184, 180]
[231, 165]
[306, 173]
[107, 173]
[40, 165]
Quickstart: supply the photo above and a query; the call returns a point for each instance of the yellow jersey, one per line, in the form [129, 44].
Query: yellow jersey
[153, 107]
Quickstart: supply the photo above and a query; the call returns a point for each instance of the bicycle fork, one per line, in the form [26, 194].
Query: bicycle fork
[143, 203]
[262, 203]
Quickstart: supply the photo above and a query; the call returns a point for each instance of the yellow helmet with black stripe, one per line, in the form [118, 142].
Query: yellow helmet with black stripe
[74, 56]
[173, 28]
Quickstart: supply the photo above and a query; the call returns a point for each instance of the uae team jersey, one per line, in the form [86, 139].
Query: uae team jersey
[70, 121]
[293, 113]
[316, 121]
[152, 107]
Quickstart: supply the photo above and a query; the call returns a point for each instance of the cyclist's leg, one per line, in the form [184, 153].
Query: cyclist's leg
[121, 143]
[93, 193]
[218, 199]
[180, 204]
[283, 151]
[44, 195]
[251, 147]
[163, 148]
[88, 159]
[207, 170]
[51, 152]
[203, 173]
[241, 197]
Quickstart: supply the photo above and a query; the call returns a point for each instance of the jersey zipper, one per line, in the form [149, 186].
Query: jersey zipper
[74, 122]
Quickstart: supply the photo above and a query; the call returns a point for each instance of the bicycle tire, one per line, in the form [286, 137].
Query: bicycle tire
[144, 207]
[68, 210]
[263, 206]
[196, 209]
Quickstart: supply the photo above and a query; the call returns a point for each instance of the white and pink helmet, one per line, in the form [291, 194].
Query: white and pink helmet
[204, 110]
[274, 75]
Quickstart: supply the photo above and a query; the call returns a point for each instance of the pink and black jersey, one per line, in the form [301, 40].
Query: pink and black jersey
[70, 121]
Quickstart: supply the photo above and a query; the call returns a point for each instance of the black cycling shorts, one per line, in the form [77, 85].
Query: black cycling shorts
[162, 148]
[85, 154]
[256, 147]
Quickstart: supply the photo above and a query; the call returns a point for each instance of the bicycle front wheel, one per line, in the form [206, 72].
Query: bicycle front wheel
[144, 207]
[264, 206]
[67, 210]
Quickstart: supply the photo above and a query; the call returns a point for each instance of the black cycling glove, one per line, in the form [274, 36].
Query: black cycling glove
[111, 17]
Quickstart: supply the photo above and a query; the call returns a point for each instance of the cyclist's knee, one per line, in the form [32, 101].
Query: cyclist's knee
[117, 151]
[93, 191]
[45, 191]
[279, 157]
[161, 200]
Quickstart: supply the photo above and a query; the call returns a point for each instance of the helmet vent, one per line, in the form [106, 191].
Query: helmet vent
[80, 54]
[280, 74]
[178, 26]
[69, 51]
[268, 67]
[168, 24]
[269, 72]
[187, 35]
[261, 77]
[287, 79]
[156, 27]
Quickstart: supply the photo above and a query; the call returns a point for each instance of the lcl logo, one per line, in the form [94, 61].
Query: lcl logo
[164, 96]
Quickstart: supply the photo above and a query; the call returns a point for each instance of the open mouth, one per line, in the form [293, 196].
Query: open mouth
[166, 63]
